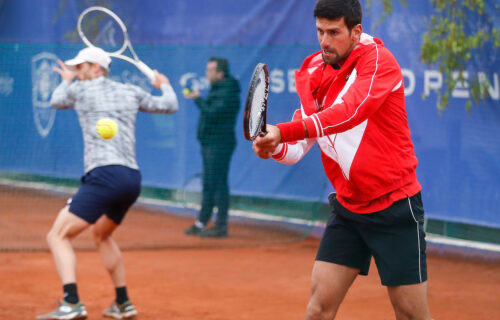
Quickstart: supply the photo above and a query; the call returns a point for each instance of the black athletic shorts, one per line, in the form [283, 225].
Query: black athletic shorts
[394, 237]
[109, 190]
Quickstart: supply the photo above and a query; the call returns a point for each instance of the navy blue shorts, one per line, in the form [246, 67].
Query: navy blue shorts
[394, 237]
[109, 190]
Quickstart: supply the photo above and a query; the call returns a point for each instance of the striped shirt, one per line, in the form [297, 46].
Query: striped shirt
[104, 98]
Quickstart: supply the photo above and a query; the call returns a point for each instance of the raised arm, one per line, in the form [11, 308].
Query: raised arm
[166, 103]
[63, 96]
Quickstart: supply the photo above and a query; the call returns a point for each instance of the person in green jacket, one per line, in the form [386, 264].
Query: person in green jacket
[217, 137]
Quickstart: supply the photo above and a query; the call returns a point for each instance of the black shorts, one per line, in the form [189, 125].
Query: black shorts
[109, 190]
[394, 237]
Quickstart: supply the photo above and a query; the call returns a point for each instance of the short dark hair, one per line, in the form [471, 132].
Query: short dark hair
[336, 9]
[222, 65]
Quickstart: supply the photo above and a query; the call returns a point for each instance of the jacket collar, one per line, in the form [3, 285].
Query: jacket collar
[314, 71]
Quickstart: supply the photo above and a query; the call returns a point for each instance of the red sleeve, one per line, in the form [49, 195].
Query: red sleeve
[291, 135]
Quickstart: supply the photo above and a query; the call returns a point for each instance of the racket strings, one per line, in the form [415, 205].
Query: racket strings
[103, 31]
[258, 105]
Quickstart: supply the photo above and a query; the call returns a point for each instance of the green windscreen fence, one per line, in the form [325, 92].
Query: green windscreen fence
[30, 205]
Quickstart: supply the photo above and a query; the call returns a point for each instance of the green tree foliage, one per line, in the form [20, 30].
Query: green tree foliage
[450, 43]
[82, 5]
[387, 5]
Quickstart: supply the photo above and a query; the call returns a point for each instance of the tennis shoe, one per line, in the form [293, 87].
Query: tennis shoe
[125, 310]
[194, 230]
[66, 311]
[214, 232]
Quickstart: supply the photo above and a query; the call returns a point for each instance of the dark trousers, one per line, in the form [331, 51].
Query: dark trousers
[216, 160]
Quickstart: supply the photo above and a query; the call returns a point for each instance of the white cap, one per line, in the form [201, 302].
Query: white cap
[91, 54]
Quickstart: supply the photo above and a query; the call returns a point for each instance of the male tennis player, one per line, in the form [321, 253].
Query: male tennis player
[112, 181]
[353, 106]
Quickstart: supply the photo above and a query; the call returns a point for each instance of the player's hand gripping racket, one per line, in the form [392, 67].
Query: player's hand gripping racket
[254, 122]
[101, 27]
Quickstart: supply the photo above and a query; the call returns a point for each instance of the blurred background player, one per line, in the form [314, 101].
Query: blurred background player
[217, 137]
[353, 105]
[112, 180]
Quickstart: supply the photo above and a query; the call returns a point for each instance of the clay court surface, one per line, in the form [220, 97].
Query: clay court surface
[258, 274]
[265, 283]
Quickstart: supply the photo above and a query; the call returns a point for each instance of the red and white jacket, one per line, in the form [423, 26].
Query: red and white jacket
[357, 116]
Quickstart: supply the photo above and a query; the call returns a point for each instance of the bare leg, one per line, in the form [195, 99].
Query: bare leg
[65, 227]
[329, 285]
[410, 301]
[111, 256]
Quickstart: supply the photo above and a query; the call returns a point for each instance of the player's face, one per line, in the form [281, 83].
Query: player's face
[87, 71]
[212, 74]
[336, 40]
[83, 71]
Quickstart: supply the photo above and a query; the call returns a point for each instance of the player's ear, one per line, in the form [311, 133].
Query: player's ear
[96, 68]
[356, 32]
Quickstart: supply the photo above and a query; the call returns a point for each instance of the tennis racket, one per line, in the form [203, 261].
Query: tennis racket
[101, 27]
[254, 121]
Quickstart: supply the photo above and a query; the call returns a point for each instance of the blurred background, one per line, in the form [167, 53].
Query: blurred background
[458, 150]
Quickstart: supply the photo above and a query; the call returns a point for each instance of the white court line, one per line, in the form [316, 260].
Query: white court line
[431, 238]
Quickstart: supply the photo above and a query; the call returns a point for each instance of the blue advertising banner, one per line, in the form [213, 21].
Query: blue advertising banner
[458, 152]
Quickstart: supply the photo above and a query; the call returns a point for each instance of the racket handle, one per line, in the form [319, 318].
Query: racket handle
[146, 70]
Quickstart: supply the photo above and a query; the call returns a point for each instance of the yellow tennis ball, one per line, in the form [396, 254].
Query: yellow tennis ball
[186, 91]
[106, 128]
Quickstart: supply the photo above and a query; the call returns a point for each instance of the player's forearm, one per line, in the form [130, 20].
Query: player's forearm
[166, 103]
[340, 117]
[169, 98]
[287, 153]
[293, 131]
[318, 125]
[60, 98]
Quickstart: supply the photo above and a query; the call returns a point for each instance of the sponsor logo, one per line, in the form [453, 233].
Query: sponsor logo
[192, 81]
[43, 83]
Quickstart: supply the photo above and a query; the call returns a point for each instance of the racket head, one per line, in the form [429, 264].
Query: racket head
[254, 120]
[101, 27]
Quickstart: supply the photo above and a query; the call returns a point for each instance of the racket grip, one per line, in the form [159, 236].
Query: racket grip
[146, 70]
